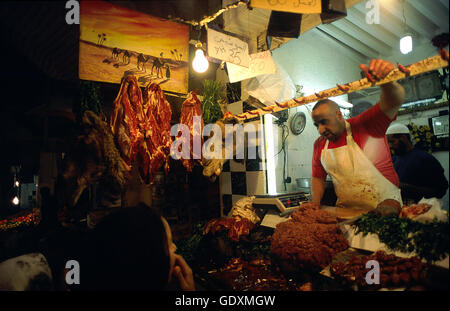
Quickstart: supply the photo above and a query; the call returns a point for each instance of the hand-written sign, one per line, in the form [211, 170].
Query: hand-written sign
[295, 6]
[260, 63]
[227, 48]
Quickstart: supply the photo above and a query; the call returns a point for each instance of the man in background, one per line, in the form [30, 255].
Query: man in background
[420, 174]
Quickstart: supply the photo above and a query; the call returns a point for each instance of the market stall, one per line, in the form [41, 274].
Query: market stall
[209, 152]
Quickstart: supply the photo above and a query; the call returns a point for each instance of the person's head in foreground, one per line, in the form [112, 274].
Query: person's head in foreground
[132, 249]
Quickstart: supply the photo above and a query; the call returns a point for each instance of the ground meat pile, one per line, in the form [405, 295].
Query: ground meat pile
[309, 240]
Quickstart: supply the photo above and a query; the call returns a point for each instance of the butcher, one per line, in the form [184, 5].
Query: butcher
[355, 153]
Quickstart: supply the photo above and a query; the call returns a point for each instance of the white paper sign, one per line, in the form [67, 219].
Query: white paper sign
[228, 48]
[260, 63]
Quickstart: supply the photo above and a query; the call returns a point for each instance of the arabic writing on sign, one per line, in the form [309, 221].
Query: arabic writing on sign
[260, 63]
[227, 48]
[296, 6]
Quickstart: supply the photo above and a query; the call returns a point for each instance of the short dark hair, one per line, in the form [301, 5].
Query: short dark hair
[322, 102]
[127, 250]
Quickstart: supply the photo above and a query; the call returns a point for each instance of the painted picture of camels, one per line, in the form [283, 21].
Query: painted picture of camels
[116, 42]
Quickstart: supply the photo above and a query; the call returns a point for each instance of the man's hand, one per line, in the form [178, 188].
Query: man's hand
[392, 94]
[378, 68]
[184, 274]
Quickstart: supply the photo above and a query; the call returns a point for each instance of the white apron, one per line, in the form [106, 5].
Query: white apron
[357, 182]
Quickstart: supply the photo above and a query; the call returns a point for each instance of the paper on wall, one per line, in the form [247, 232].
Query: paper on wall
[228, 48]
[295, 6]
[260, 63]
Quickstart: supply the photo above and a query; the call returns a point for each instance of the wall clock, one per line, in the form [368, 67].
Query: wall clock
[298, 123]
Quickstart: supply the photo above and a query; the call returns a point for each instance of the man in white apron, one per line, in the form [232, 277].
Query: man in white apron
[355, 152]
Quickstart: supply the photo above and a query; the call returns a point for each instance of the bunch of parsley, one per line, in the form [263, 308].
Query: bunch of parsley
[429, 241]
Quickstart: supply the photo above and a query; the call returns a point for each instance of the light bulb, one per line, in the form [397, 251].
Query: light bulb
[15, 201]
[16, 183]
[406, 44]
[200, 63]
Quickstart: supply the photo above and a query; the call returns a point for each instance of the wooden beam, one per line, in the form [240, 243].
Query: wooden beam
[414, 19]
[389, 22]
[444, 3]
[360, 58]
[349, 40]
[363, 37]
[376, 30]
[434, 11]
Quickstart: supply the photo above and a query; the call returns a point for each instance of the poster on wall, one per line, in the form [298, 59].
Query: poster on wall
[116, 42]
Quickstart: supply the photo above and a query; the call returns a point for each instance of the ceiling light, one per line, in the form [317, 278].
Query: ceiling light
[406, 44]
[200, 64]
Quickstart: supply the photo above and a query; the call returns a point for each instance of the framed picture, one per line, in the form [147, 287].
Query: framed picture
[116, 42]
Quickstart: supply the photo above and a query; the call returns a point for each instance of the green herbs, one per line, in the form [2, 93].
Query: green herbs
[213, 92]
[187, 247]
[89, 99]
[429, 241]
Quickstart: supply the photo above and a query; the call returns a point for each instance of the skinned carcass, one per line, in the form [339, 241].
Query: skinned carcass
[191, 107]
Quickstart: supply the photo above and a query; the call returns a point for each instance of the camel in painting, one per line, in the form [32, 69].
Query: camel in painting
[159, 65]
[126, 57]
[141, 60]
[115, 53]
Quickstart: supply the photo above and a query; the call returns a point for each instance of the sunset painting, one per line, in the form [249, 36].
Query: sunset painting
[116, 42]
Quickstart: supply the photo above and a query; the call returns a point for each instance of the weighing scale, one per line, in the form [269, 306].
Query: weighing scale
[278, 207]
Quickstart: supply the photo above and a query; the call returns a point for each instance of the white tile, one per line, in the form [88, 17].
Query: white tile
[236, 166]
[235, 108]
[256, 183]
[225, 183]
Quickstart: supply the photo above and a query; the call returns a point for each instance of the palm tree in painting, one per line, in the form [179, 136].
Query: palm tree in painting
[99, 38]
[181, 55]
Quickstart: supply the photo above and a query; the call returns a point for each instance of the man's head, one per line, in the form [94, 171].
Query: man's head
[328, 119]
[399, 138]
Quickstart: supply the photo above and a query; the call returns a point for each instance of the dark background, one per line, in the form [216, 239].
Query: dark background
[39, 79]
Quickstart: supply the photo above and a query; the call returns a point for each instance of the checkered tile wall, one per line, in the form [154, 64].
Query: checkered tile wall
[241, 178]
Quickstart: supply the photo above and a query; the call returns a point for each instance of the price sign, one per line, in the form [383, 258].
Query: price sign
[228, 48]
[294, 6]
[260, 63]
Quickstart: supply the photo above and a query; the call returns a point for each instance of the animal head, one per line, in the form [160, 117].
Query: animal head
[92, 156]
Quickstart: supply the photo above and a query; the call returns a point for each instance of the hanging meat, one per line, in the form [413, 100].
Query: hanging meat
[157, 140]
[191, 107]
[127, 118]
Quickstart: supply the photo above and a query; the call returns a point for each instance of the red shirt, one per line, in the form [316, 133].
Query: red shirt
[369, 132]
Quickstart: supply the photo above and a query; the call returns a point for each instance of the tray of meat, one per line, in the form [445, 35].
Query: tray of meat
[394, 272]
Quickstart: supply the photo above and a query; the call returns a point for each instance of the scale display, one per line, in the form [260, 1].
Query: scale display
[283, 202]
